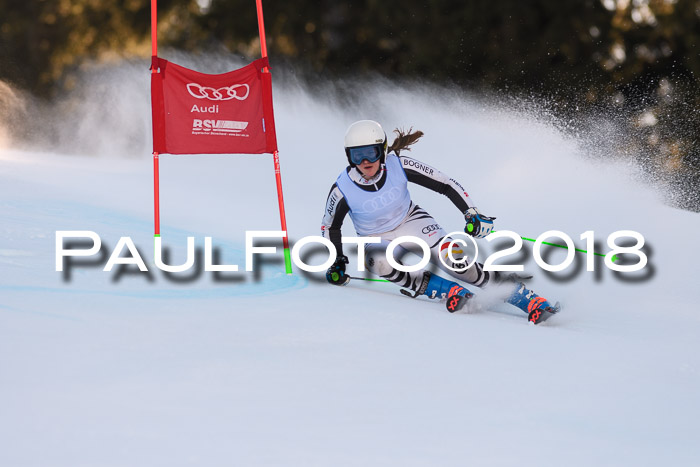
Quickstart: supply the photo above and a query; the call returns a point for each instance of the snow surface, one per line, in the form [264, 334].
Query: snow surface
[125, 368]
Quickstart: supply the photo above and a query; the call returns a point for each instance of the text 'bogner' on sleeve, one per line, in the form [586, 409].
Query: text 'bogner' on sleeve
[422, 174]
[336, 210]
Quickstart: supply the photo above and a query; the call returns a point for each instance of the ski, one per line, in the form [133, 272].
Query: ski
[457, 302]
[540, 315]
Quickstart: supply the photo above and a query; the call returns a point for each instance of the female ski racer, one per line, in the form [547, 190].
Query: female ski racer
[373, 191]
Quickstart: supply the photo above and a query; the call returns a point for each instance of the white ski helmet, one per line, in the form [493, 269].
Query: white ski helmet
[365, 139]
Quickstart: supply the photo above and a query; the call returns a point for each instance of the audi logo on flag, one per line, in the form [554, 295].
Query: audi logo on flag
[222, 94]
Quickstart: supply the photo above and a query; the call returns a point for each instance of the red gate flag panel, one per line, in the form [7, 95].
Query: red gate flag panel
[198, 113]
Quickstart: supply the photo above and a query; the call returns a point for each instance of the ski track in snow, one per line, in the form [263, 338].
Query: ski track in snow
[141, 370]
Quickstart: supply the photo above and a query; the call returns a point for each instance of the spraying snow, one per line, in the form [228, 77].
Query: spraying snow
[131, 368]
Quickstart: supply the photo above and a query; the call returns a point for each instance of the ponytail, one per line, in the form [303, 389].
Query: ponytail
[404, 139]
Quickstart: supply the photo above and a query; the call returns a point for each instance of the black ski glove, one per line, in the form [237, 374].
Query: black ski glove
[336, 273]
[478, 225]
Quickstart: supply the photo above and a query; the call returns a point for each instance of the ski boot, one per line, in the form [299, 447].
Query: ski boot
[435, 286]
[538, 309]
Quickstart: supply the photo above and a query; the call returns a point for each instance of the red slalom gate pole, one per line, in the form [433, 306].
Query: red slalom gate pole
[156, 197]
[261, 29]
[154, 29]
[275, 155]
[156, 172]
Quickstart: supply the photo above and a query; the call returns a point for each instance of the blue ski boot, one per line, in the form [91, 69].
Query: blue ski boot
[435, 286]
[538, 309]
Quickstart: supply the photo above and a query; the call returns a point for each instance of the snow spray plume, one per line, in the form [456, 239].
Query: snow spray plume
[13, 112]
[108, 114]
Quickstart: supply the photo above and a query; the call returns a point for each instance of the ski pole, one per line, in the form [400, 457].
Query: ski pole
[614, 258]
[367, 279]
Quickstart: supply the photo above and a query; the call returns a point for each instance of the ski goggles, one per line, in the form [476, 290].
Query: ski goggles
[370, 153]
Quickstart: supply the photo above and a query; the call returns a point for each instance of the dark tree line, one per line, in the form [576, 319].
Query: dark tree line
[43, 41]
[639, 58]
